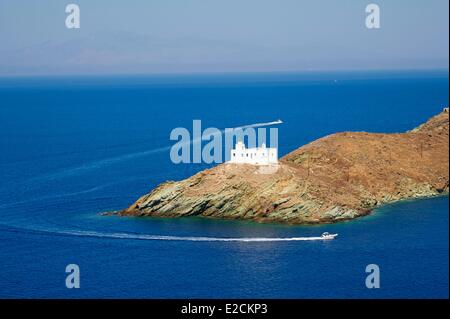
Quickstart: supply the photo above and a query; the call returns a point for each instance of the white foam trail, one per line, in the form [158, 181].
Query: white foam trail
[112, 160]
[181, 238]
[262, 124]
[199, 139]
[128, 236]
[120, 158]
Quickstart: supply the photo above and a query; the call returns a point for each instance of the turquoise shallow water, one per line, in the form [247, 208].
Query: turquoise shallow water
[73, 149]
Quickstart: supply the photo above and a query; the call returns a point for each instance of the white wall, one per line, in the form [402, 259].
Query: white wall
[256, 156]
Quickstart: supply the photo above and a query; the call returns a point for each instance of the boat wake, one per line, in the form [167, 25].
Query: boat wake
[262, 124]
[130, 156]
[133, 236]
[188, 238]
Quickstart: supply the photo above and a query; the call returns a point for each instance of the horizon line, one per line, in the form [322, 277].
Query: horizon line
[209, 73]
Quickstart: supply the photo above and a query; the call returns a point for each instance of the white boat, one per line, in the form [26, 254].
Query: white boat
[328, 236]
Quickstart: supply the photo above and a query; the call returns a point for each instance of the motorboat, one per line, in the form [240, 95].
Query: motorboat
[327, 235]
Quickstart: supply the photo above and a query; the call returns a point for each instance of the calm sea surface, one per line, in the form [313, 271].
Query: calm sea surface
[71, 148]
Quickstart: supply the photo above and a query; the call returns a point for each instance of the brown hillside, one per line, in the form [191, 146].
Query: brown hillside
[338, 177]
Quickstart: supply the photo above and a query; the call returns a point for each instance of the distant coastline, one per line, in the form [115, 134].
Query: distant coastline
[211, 78]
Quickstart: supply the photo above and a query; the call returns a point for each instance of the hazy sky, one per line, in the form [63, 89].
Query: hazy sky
[167, 36]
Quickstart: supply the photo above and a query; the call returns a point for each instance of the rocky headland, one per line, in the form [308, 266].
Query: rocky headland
[337, 177]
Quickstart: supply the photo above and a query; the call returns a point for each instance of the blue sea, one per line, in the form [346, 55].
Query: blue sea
[74, 147]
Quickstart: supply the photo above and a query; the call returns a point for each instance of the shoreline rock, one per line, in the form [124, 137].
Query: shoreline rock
[335, 178]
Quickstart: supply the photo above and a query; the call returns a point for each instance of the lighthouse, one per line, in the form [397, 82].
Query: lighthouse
[255, 156]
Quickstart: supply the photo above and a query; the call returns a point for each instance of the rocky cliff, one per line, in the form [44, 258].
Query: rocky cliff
[337, 177]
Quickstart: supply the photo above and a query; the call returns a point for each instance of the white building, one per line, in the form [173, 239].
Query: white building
[255, 156]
